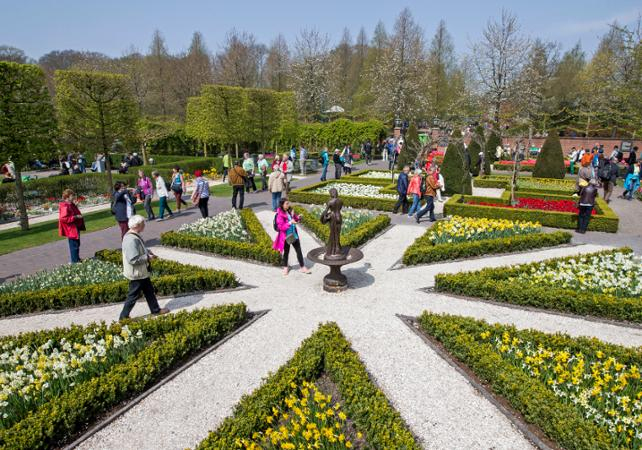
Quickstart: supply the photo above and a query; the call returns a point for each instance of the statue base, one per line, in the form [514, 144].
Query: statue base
[335, 281]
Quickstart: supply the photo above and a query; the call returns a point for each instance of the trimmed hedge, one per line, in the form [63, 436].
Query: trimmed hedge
[326, 351]
[359, 236]
[302, 195]
[169, 277]
[538, 404]
[423, 252]
[259, 249]
[172, 338]
[503, 182]
[494, 284]
[550, 160]
[605, 220]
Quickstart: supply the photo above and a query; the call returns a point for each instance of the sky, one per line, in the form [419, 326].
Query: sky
[114, 26]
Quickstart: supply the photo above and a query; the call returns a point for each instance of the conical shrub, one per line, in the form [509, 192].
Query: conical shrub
[410, 149]
[491, 145]
[550, 161]
[474, 148]
[456, 176]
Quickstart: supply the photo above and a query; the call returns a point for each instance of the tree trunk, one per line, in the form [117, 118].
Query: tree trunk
[22, 206]
[205, 149]
[103, 138]
[236, 146]
[143, 150]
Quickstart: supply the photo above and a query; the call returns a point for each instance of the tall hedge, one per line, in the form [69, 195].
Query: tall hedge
[454, 170]
[550, 161]
[411, 148]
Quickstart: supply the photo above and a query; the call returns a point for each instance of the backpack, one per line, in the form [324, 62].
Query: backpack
[423, 186]
[274, 225]
[605, 172]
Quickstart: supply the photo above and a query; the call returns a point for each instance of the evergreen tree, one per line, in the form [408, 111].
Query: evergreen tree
[491, 145]
[550, 161]
[454, 170]
[411, 148]
[474, 148]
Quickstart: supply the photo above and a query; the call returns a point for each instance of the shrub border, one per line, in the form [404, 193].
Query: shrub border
[260, 249]
[302, 195]
[490, 284]
[327, 350]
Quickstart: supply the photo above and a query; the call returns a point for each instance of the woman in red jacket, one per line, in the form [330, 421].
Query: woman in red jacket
[70, 223]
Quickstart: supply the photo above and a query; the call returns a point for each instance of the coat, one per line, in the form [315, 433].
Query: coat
[237, 176]
[135, 257]
[68, 225]
[414, 187]
[120, 205]
[276, 182]
[282, 223]
[402, 183]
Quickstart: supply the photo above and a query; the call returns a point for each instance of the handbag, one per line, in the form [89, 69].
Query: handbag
[290, 239]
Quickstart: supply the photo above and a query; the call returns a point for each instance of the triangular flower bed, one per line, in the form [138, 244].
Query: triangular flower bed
[297, 404]
[248, 239]
[82, 372]
[358, 226]
[582, 393]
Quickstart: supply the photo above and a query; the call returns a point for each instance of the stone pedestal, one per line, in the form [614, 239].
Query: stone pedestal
[335, 281]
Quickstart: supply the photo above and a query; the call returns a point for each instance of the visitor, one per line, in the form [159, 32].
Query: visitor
[288, 236]
[414, 189]
[136, 268]
[287, 167]
[262, 166]
[276, 162]
[292, 155]
[615, 153]
[586, 204]
[82, 163]
[161, 191]
[346, 159]
[70, 223]
[276, 185]
[237, 180]
[201, 195]
[402, 189]
[573, 159]
[607, 172]
[123, 205]
[632, 182]
[338, 165]
[325, 161]
[442, 184]
[248, 166]
[303, 157]
[178, 186]
[226, 165]
[146, 192]
[631, 159]
[431, 189]
[367, 151]
[585, 174]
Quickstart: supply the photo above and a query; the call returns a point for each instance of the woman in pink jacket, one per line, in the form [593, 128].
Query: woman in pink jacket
[414, 188]
[288, 236]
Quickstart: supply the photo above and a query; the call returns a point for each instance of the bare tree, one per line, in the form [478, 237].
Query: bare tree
[499, 57]
[158, 61]
[192, 70]
[241, 60]
[310, 72]
[277, 65]
[12, 54]
[341, 62]
[441, 62]
[133, 65]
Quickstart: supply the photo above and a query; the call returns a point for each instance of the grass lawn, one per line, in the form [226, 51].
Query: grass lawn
[45, 232]
[221, 190]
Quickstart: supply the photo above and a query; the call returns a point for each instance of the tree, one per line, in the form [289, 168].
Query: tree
[277, 65]
[27, 121]
[95, 109]
[158, 62]
[341, 62]
[310, 72]
[241, 60]
[494, 141]
[455, 171]
[412, 147]
[133, 66]
[262, 122]
[441, 63]
[550, 161]
[193, 69]
[12, 54]
[151, 131]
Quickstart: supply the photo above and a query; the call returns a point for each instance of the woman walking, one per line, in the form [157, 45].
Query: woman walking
[414, 189]
[201, 195]
[288, 236]
[276, 184]
[70, 223]
[178, 186]
[146, 188]
[123, 206]
[161, 191]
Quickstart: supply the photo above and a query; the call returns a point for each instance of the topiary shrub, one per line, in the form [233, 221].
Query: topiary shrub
[454, 170]
[411, 148]
[550, 161]
[491, 145]
[474, 148]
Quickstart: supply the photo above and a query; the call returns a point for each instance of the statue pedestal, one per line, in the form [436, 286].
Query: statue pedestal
[335, 281]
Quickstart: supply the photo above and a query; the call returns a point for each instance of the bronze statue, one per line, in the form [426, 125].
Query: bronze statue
[332, 215]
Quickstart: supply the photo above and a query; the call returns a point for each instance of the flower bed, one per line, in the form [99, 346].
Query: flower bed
[257, 247]
[530, 184]
[461, 237]
[52, 292]
[358, 227]
[35, 207]
[69, 377]
[536, 285]
[528, 165]
[226, 225]
[326, 352]
[382, 195]
[536, 203]
[582, 393]
[376, 174]
[355, 190]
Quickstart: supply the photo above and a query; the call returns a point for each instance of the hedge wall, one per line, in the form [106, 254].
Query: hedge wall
[326, 351]
[302, 195]
[424, 252]
[605, 220]
[494, 284]
[537, 403]
[259, 249]
[171, 338]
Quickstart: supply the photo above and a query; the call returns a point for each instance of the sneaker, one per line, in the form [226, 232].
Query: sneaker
[417, 219]
[171, 216]
[160, 219]
[286, 270]
[305, 270]
[162, 311]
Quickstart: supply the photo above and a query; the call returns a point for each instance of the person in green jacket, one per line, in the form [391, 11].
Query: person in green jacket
[226, 165]
[248, 166]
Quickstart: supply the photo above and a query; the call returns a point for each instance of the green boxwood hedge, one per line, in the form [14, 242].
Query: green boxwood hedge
[259, 249]
[494, 284]
[172, 338]
[169, 278]
[537, 403]
[304, 195]
[605, 220]
[423, 251]
[326, 351]
[503, 182]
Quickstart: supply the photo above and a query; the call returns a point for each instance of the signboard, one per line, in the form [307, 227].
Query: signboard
[626, 146]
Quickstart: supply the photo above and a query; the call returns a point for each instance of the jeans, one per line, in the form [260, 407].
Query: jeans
[203, 206]
[403, 202]
[162, 207]
[324, 172]
[236, 190]
[276, 197]
[415, 204]
[584, 217]
[135, 288]
[337, 171]
[286, 253]
[147, 203]
[74, 249]
[302, 164]
[225, 170]
[430, 207]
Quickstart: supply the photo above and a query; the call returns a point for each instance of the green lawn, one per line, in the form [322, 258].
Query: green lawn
[221, 190]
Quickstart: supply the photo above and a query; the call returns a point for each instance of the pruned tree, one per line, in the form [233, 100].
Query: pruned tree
[277, 65]
[27, 122]
[150, 131]
[262, 122]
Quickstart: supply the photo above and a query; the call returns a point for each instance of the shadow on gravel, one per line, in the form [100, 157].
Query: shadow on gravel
[184, 302]
[359, 277]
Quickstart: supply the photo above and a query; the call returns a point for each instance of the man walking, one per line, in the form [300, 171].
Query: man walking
[608, 176]
[136, 268]
[237, 180]
[402, 189]
[303, 157]
[262, 165]
[248, 166]
[325, 161]
[226, 165]
[338, 165]
[367, 150]
[431, 191]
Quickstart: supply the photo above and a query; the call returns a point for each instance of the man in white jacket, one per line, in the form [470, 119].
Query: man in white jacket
[161, 190]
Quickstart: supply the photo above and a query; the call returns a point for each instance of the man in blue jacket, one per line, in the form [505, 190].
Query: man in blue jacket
[402, 189]
[325, 161]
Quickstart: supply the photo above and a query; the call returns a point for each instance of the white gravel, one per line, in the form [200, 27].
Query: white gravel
[441, 408]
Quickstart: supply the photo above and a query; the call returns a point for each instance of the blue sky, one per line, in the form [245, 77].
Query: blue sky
[112, 26]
